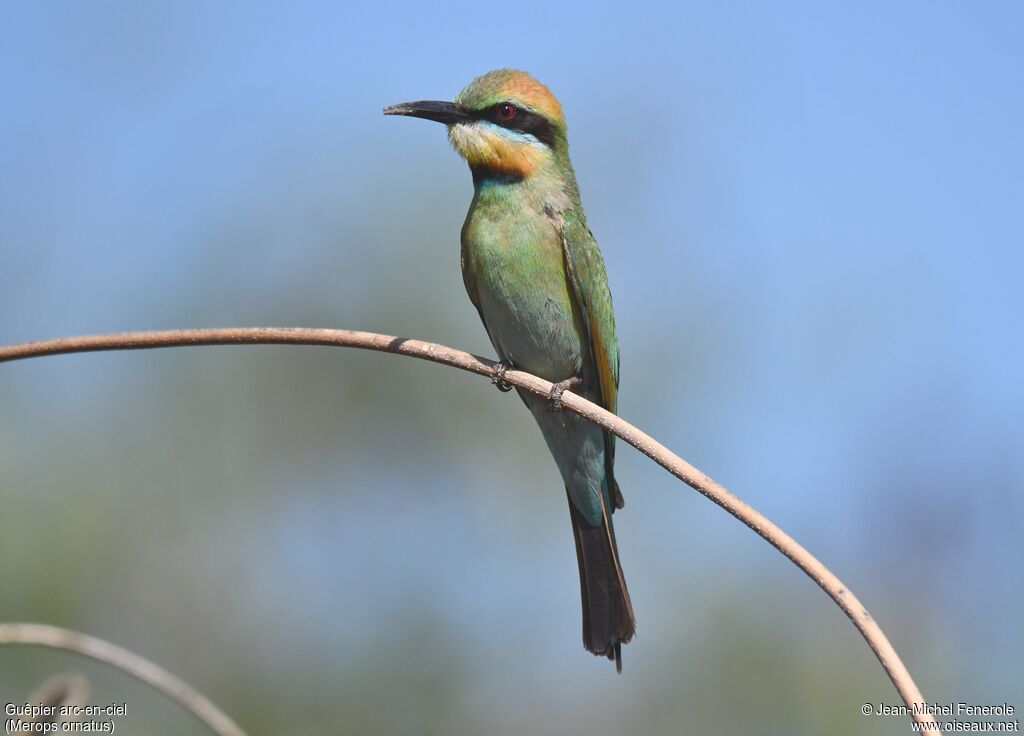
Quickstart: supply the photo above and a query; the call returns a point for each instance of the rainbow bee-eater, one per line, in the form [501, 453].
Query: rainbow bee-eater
[536, 276]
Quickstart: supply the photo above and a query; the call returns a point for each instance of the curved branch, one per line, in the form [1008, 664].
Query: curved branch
[433, 352]
[159, 679]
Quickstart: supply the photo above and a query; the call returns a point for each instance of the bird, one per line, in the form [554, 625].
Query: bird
[535, 274]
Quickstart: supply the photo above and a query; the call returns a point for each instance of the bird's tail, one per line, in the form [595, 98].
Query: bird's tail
[608, 621]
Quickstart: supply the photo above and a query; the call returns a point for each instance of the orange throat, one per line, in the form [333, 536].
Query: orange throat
[489, 149]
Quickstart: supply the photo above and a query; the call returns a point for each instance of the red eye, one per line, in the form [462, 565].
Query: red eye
[506, 112]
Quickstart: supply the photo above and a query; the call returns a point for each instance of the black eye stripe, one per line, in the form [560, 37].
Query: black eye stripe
[524, 121]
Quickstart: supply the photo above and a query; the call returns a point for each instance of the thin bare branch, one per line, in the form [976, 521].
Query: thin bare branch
[159, 679]
[678, 467]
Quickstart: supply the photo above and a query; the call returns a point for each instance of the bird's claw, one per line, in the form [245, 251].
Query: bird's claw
[498, 377]
[555, 395]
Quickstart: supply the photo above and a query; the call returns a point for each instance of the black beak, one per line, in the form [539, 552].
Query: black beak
[443, 112]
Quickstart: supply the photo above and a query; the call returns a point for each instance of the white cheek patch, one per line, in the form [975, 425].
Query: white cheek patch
[467, 139]
[516, 136]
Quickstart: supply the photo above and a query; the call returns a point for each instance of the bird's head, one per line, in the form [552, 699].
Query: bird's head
[503, 123]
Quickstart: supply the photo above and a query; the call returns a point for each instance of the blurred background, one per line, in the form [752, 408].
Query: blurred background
[813, 228]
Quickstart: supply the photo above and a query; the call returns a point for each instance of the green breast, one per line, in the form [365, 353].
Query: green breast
[513, 255]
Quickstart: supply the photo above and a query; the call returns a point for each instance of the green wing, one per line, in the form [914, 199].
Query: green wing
[589, 282]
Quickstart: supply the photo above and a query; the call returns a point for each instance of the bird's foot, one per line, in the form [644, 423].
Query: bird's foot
[498, 377]
[555, 395]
